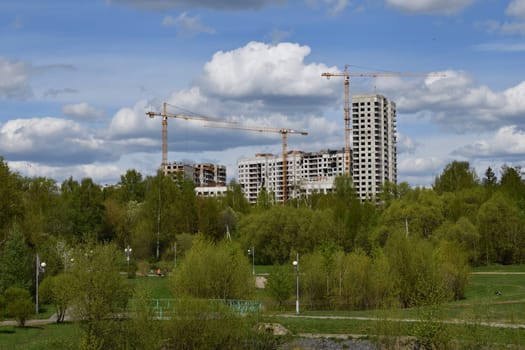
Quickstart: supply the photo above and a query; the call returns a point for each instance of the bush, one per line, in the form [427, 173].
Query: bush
[201, 324]
[19, 304]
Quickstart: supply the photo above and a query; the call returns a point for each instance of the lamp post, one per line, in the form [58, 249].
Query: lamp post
[252, 253]
[128, 250]
[296, 265]
[40, 267]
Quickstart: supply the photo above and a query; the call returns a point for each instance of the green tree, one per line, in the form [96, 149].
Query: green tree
[214, 270]
[501, 228]
[490, 178]
[19, 304]
[40, 196]
[456, 176]
[464, 233]
[81, 210]
[131, 187]
[100, 293]
[452, 260]
[11, 206]
[235, 198]
[16, 263]
[280, 285]
[57, 290]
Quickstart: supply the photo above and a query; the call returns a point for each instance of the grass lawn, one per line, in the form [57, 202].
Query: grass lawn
[159, 286]
[52, 336]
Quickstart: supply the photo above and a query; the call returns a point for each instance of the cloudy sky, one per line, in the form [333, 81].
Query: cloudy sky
[76, 78]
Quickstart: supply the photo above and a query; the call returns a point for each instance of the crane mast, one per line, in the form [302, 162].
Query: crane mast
[284, 134]
[165, 115]
[347, 111]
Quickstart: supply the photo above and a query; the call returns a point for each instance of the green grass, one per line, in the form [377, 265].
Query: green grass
[500, 268]
[159, 286]
[52, 336]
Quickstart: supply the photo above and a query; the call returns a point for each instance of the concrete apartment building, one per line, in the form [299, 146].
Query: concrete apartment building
[202, 175]
[373, 158]
[307, 173]
[374, 152]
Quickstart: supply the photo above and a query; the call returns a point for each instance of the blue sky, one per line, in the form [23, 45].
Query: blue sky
[76, 78]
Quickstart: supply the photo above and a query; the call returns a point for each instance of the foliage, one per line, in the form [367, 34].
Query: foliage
[57, 290]
[280, 285]
[16, 263]
[215, 271]
[18, 304]
[100, 293]
[456, 176]
[201, 324]
[11, 206]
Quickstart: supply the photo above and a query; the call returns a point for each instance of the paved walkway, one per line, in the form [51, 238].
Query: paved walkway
[453, 321]
[34, 322]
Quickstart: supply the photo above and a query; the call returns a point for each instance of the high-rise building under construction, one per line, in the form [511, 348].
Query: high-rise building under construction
[374, 152]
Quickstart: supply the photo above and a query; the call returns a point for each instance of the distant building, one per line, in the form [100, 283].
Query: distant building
[307, 173]
[373, 158]
[209, 179]
[374, 152]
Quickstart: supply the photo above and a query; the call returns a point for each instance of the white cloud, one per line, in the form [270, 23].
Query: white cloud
[275, 73]
[447, 7]
[405, 144]
[212, 4]
[14, 79]
[52, 141]
[83, 112]
[507, 143]
[187, 25]
[456, 102]
[415, 165]
[516, 8]
[131, 122]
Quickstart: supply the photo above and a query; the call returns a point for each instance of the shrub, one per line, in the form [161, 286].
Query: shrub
[19, 304]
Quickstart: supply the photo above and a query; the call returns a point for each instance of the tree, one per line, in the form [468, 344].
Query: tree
[490, 178]
[280, 285]
[16, 263]
[19, 304]
[214, 271]
[57, 291]
[100, 293]
[501, 229]
[456, 176]
[11, 206]
[131, 187]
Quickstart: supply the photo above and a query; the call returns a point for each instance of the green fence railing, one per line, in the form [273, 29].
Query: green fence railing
[164, 308]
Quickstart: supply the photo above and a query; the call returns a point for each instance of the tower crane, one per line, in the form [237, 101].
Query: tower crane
[165, 115]
[346, 75]
[284, 135]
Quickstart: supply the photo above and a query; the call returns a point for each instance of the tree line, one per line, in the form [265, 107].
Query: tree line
[481, 218]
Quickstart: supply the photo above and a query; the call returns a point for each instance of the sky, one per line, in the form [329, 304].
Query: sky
[76, 78]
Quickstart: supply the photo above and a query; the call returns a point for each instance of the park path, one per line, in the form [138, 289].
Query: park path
[35, 322]
[452, 321]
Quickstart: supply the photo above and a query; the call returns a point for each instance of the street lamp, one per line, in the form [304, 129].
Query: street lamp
[128, 253]
[296, 265]
[252, 253]
[128, 250]
[40, 267]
